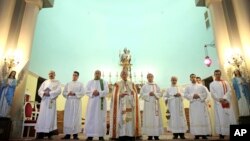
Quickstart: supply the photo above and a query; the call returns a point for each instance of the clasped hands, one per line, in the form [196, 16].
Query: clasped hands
[95, 93]
[177, 95]
[196, 96]
[71, 94]
[151, 94]
[126, 93]
[123, 94]
[223, 101]
[46, 92]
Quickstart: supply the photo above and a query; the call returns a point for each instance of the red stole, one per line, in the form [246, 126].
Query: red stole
[224, 105]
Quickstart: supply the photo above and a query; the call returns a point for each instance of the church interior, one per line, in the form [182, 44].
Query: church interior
[163, 37]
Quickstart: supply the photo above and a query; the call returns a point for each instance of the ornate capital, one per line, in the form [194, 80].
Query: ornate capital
[208, 2]
[41, 3]
[38, 3]
[204, 3]
[200, 3]
[48, 3]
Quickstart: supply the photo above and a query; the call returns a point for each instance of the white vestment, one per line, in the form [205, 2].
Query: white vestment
[152, 119]
[47, 119]
[177, 122]
[95, 125]
[73, 108]
[209, 102]
[223, 116]
[198, 112]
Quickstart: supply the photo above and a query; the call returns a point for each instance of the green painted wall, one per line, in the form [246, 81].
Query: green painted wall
[165, 37]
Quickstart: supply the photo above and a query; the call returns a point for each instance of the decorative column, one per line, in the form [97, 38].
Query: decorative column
[221, 33]
[231, 26]
[242, 14]
[6, 12]
[225, 34]
[223, 38]
[23, 51]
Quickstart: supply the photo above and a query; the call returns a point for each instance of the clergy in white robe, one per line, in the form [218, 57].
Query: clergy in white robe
[152, 120]
[224, 114]
[198, 113]
[208, 99]
[47, 119]
[97, 90]
[73, 92]
[125, 117]
[177, 123]
[209, 106]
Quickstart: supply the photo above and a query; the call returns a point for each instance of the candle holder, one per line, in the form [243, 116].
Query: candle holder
[238, 62]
